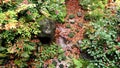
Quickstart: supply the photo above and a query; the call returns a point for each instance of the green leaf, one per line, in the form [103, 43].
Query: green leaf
[25, 54]
[77, 63]
[2, 48]
[3, 55]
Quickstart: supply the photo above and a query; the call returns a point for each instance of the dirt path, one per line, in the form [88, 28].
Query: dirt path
[63, 30]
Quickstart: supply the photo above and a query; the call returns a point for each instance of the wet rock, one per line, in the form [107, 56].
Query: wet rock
[71, 16]
[79, 14]
[72, 21]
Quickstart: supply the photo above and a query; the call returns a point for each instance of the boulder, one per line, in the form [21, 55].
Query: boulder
[47, 27]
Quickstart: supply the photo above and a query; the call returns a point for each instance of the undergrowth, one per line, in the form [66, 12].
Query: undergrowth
[18, 23]
[100, 39]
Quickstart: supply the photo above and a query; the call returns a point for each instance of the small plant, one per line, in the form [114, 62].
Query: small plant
[71, 16]
[68, 26]
[71, 34]
[80, 63]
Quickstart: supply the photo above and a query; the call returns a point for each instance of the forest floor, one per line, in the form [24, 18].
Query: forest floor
[72, 25]
[69, 34]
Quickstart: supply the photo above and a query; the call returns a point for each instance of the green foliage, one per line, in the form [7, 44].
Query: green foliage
[101, 35]
[77, 63]
[18, 22]
[80, 63]
[93, 4]
[100, 43]
[53, 9]
[94, 15]
[49, 52]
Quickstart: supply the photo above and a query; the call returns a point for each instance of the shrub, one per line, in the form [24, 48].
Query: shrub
[53, 9]
[94, 15]
[100, 43]
[93, 4]
[18, 22]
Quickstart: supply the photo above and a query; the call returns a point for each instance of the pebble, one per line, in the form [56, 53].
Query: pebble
[79, 14]
[72, 21]
[79, 42]
[80, 24]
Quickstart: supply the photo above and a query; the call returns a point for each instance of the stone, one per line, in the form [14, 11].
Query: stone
[80, 24]
[72, 21]
[79, 42]
[47, 28]
[79, 14]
